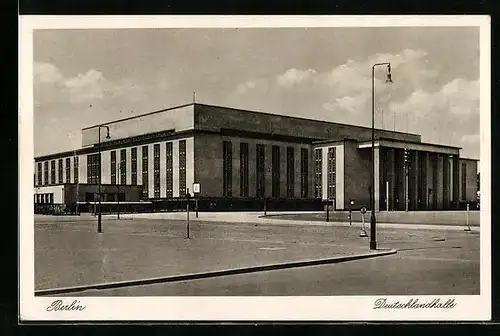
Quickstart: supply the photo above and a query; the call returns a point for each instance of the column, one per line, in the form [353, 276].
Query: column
[456, 181]
[426, 184]
[82, 169]
[106, 167]
[377, 178]
[383, 179]
[446, 182]
[268, 150]
[399, 180]
[422, 179]
[439, 182]
[391, 176]
[430, 182]
[413, 180]
[283, 176]
[252, 168]
[296, 166]
[235, 169]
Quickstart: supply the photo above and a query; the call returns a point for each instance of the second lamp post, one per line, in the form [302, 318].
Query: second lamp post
[99, 215]
[373, 220]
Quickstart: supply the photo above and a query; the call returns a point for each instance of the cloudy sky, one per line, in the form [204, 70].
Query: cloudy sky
[86, 77]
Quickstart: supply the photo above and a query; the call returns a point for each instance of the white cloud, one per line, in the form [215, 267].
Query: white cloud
[457, 97]
[294, 76]
[417, 101]
[47, 73]
[85, 87]
[247, 86]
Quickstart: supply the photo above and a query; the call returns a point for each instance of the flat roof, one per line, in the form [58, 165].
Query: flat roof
[138, 116]
[242, 110]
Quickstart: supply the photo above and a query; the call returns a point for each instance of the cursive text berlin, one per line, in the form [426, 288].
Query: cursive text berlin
[59, 305]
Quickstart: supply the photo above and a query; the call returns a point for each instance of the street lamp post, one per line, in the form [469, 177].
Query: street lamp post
[99, 215]
[373, 220]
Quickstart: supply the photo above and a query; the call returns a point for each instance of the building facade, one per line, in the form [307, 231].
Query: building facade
[242, 157]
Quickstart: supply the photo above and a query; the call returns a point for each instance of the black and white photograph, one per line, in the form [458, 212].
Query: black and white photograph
[255, 168]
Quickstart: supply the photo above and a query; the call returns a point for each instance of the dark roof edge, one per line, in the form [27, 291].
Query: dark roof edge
[138, 116]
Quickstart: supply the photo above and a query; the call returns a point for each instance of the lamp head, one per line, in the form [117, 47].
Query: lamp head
[389, 75]
[107, 133]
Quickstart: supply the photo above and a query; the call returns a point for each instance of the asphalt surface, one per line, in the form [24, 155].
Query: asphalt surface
[440, 272]
[72, 253]
[428, 261]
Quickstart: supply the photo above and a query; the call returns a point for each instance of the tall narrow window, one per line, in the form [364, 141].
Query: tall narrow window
[182, 168]
[290, 172]
[60, 171]
[145, 176]
[123, 166]
[75, 167]
[68, 170]
[261, 172]
[133, 165]
[244, 169]
[331, 172]
[90, 169]
[464, 182]
[275, 162]
[113, 167]
[227, 165]
[40, 173]
[93, 168]
[170, 170]
[318, 169]
[156, 170]
[53, 172]
[46, 172]
[304, 172]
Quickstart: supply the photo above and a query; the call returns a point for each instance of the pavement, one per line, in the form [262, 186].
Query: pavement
[144, 249]
[302, 218]
[72, 254]
[443, 218]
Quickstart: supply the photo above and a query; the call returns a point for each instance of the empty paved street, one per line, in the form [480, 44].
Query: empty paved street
[428, 261]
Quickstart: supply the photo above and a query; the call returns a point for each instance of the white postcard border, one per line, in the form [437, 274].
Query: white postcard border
[335, 308]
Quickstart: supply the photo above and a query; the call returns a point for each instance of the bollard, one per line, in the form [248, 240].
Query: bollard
[468, 229]
[327, 213]
[363, 230]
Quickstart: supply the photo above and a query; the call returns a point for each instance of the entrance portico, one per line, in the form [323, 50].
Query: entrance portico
[427, 179]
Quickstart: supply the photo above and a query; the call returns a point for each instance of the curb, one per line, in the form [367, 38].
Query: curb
[235, 271]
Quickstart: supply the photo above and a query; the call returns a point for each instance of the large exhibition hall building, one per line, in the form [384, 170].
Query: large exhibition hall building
[241, 158]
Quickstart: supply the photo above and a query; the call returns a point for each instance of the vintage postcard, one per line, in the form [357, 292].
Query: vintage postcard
[263, 168]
